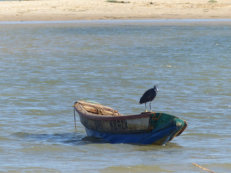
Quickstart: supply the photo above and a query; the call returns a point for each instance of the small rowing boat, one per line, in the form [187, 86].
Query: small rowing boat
[145, 128]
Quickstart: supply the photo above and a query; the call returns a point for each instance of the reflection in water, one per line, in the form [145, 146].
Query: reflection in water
[77, 138]
[74, 138]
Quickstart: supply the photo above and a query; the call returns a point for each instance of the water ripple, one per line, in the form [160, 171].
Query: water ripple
[45, 68]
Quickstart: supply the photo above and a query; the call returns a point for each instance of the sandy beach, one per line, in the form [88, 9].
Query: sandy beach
[53, 10]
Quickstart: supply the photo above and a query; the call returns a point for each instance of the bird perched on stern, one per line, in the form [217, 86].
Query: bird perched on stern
[149, 96]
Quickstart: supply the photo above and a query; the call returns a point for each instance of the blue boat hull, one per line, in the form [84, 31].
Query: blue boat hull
[143, 128]
[157, 137]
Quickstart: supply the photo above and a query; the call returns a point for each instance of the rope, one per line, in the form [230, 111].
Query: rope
[75, 119]
[203, 168]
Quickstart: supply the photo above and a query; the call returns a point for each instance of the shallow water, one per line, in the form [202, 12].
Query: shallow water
[46, 67]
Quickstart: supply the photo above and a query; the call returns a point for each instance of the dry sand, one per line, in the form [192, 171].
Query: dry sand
[52, 10]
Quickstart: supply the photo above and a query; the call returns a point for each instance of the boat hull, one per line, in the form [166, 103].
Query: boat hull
[144, 128]
[160, 137]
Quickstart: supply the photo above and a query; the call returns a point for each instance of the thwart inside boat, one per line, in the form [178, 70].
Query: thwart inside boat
[96, 108]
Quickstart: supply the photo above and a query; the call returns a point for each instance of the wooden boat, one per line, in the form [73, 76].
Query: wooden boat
[146, 128]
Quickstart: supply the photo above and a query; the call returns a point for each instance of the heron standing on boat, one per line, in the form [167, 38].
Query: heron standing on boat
[149, 96]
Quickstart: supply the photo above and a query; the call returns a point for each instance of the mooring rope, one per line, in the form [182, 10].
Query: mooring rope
[75, 119]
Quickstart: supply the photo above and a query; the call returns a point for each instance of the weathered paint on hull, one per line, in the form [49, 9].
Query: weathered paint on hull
[153, 137]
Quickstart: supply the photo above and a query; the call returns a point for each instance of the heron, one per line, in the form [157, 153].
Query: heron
[149, 96]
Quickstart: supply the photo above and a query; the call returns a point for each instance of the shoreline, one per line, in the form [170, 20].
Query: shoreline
[71, 10]
[121, 21]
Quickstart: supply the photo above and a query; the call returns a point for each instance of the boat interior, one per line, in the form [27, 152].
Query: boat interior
[98, 109]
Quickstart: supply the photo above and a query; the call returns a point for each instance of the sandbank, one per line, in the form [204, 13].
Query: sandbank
[63, 10]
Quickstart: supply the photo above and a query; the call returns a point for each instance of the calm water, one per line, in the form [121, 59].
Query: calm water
[46, 67]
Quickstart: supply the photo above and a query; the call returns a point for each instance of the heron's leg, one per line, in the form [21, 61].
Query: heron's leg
[150, 105]
[145, 108]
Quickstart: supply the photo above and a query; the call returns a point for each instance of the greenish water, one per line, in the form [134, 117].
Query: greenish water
[46, 67]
